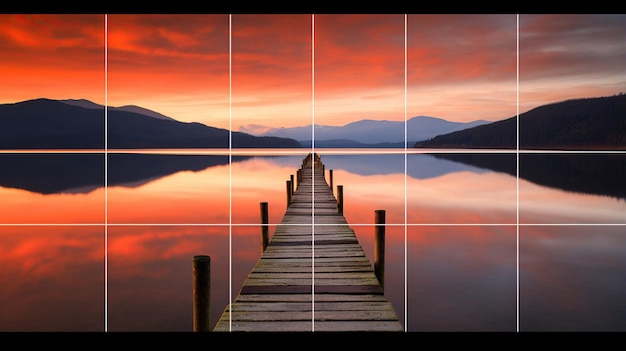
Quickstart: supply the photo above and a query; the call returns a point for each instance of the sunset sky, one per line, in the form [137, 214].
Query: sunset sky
[459, 67]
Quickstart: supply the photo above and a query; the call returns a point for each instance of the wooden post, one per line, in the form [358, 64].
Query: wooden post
[264, 226]
[201, 293]
[330, 175]
[299, 177]
[293, 185]
[288, 193]
[340, 199]
[379, 247]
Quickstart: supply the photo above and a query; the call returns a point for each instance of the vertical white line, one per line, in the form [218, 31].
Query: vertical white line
[313, 173]
[517, 176]
[230, 167]
[106, 171]
[405, 174]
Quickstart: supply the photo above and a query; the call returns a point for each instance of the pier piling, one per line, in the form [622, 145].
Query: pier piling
[201, 268]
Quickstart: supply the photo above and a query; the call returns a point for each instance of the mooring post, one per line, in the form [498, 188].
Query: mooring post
[264, 226]
[293, 185]
[340, 199]
[299, 177]
[288, 193]
[201, 293]
[330, 176]
[379, 247]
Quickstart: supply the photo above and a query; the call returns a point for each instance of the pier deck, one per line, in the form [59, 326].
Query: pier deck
[313, 246]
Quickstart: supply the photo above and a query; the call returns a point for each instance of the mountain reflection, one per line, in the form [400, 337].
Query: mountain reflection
[49, 173]
[596, 174]
[418, 166]
[82, 173]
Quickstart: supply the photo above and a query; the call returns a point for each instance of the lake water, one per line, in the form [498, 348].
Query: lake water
[89, 245]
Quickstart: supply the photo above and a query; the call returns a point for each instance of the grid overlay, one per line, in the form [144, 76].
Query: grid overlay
[404, 225]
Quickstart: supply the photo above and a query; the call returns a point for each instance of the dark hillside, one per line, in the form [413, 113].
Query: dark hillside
[590, 123]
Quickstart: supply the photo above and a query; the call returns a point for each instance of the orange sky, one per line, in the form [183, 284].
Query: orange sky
[460, 67]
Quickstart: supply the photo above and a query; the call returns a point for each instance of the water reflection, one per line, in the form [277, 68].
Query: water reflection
[52, 278]
[150, 275]
[60, 173]
[461, 278]
[261, 179]
[597, 174]
[51, 173]
[461, 195]
[435, 190]
[206, 189]
[562, 188]
[572, 278]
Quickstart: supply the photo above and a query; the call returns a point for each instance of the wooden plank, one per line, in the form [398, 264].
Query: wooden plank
[296, 314]
[273, 306]
[306, 289]
[363, 275]
[318, 269]
[309, 326]
[378, 298]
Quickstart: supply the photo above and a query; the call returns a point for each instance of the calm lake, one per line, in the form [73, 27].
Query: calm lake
[95, 242]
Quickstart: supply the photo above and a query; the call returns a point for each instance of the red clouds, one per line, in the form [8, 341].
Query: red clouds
[289, 69]
[52, 56]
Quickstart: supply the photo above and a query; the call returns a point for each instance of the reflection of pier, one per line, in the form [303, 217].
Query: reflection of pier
[313, 246]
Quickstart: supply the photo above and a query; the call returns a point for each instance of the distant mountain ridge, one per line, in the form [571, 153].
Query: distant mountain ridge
[129, 108]
[367, 132]
[586, 123]
[79, 124]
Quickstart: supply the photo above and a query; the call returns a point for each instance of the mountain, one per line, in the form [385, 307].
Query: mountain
[588, 123]
[52, 124]
[130, 108]
[366, 132]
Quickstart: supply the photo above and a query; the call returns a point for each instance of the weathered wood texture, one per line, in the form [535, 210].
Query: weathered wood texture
[313, 246]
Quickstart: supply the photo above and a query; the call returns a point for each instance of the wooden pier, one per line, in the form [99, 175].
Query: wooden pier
[313, 246]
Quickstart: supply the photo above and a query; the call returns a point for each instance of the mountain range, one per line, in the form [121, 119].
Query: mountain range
[586, 123]
[366, 132]
[79, 124]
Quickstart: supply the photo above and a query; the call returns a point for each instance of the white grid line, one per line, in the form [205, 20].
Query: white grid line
[406, 213]
[564, 224]
[106, 188]
[230, 169]
[517, 266]
[312, 172]
[284, 152]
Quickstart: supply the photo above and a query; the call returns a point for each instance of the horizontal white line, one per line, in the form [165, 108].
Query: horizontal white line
[301, 224]
[288, 151]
